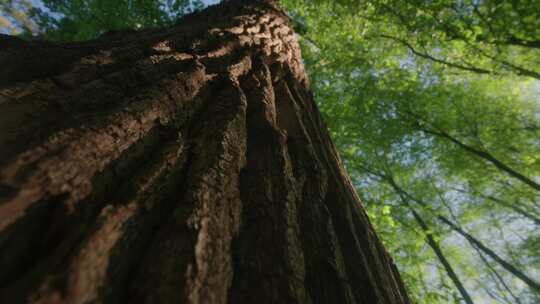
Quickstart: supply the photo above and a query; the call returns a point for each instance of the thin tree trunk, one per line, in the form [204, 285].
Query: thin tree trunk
[429, 237]
[497, 277]
[515, 207]
[438, 252]
[509, 267]
[472, 240]
[486, 156]
[181, 165]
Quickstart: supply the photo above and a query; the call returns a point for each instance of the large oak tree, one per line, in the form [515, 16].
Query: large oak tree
[186, 164]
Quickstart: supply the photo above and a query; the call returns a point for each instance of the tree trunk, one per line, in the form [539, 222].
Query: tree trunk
[471, 239]
[480, 246]
[179, 165]
[430, 239]
[485, 155]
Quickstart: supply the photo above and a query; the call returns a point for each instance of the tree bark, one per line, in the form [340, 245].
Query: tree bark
[181, 165]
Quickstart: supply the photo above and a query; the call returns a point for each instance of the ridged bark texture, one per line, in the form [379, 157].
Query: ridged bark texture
[179, 165]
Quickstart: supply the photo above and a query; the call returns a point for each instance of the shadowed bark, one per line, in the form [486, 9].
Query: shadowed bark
[181, 165]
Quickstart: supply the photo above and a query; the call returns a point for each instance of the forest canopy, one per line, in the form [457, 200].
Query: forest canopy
[434, 107]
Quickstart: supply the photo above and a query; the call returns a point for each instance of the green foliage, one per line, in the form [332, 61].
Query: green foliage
[408, 88]
[73, 20]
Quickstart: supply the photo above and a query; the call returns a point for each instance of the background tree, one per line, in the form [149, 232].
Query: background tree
[448, 104]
